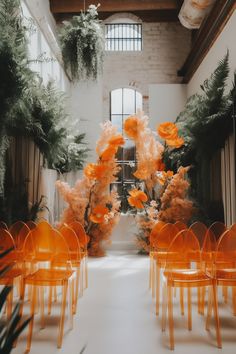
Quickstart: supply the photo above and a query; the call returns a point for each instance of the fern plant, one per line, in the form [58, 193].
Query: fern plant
[82, 45]
[204, 124]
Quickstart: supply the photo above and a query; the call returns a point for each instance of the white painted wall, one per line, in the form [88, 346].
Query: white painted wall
[226, 40]
[166, 101]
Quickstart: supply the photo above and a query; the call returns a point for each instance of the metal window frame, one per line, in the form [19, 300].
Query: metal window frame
[123, 181]
[118, 43]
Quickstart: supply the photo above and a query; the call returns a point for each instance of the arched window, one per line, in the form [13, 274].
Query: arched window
[123, 36]
[125, 102]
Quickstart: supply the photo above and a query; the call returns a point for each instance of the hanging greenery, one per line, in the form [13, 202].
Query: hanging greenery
[82, 45]
[204, 125]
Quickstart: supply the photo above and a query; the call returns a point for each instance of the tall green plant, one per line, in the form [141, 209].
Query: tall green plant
[82, 45]
[28, 108]
[204, 124]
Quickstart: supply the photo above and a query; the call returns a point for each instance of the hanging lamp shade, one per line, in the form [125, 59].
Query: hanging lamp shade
[193, 12]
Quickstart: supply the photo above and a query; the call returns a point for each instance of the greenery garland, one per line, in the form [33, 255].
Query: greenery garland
[204, 124]
[82, 45]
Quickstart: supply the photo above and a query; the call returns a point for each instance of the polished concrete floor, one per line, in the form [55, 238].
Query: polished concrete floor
[116, 316]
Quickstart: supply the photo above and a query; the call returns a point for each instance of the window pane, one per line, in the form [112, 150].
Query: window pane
[129, 151]
[139, 101]
[129, 101]
[128, 172]
[123, 37]
[116, 102]
[117, 121]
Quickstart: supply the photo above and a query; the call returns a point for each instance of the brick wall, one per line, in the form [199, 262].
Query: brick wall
[165, 47]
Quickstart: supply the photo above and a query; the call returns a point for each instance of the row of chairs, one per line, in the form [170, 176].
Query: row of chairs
[198, 257]
[43, 257]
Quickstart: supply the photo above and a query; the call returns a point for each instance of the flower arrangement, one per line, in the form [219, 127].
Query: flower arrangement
[162, 195]
[82, 45]
[90, 201]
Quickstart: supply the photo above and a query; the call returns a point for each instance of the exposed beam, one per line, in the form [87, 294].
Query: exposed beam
[206, 36]
[75, 6]
[145, 16]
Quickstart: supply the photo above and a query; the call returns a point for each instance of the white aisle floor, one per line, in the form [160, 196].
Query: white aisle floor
[116, 316]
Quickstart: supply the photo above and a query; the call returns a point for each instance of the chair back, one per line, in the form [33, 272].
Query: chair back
[31, 224]
[155, 231]
[233, 228]
[3, 225]
[184, 251]
[42, 247]
[72, 241]
[165, 236]
[226, 250]
[218, 228]
[19, 230]
[180, 225]
[199, 229]
[80, 233]
[7, 243]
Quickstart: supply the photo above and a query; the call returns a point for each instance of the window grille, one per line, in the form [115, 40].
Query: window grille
[123, 37]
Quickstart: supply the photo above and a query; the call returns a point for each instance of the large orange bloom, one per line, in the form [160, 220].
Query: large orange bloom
[168, 131]
[116, 140]
[176, 142]
[131, 127]
[160, 166]
[93, 171]
[137, 198]
[98, 214]
[108, 153]
[164, 175]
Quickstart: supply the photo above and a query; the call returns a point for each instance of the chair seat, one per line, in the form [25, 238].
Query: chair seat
[10, 275]
[48, 277]
[229, 273]
[187, 275]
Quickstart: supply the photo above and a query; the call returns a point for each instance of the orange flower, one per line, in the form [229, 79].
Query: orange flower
[137, 198]
[98, 214]
[160, 166]
[93, 171]
[176, 142]
[141, 174]
[108, 153]
[168, 131]
[117, 140]
[131, 127]
[164, 175]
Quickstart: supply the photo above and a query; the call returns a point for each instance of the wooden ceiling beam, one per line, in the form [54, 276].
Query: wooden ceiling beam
[75, 6]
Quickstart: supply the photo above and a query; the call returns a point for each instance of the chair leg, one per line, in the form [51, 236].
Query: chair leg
[170, 316]
[9, 304]
[86, 272]
[217, 321]
[31, 324]
[164, 306]
[157, 289]
[63, 308]
[199, 298]
[234, 300]
[153, 278]
[150, 272]
[71, 303]
[181, 290]
[42, 320]
[189, 309]
[225, 294]
[209, 308]
[50, 301]
[77, 285]
[203, 300]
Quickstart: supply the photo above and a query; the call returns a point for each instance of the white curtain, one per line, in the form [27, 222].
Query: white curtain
[54, 201]
[228, 180]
